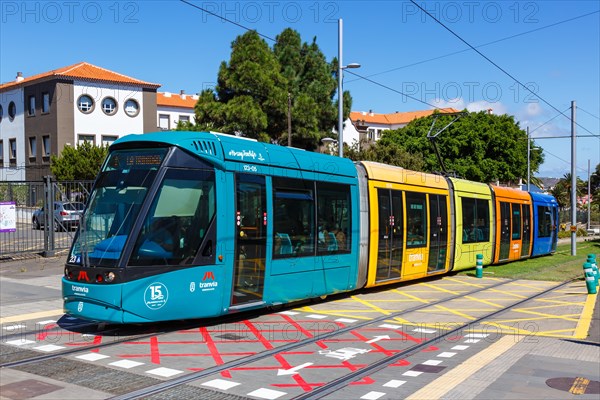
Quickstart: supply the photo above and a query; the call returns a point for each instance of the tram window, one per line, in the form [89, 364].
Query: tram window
[416, 214]
[178, 219]
[516, 221]
[293, 222]
[333, 215]
[545, 223]
[476, 220]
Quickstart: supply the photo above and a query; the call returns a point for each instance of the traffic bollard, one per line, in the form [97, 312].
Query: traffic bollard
[590, 283]
[592, 260]
[479, 266]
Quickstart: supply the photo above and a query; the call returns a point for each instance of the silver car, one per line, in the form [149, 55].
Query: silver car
[66, 215]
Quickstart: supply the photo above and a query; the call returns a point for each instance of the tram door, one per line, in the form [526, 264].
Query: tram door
[438, 239]
[389, 256]
[526, 215]
[250, 239]
[504, 231]
[554, 227]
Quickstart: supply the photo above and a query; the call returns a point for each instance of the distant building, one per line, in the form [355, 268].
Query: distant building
[173, 108]
[41, 114]
[367, 127]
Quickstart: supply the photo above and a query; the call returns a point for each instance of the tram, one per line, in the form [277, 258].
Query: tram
[200, 224]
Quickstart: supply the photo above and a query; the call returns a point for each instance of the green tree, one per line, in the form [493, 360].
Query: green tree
[78, 163]
[479, 146]
[562, 190]
[388, 152]
[253, 88]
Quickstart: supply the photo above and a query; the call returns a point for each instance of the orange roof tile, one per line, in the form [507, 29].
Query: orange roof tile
[176, 100]
[84, 71]
[396, 118]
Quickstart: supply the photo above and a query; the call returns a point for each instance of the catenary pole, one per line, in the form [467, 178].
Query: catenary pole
[573, 182]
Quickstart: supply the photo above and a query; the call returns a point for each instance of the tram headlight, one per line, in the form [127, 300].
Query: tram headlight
[68, 273]
[110, 277]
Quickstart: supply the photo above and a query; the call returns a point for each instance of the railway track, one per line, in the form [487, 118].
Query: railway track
[157, 387]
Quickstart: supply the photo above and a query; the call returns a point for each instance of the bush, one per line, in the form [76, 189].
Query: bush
[567, 234]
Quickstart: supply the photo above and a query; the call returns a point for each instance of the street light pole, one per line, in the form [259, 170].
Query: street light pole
[341, 68]
[340, 93]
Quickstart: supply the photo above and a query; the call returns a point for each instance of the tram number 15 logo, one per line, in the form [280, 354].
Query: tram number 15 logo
[156, 295]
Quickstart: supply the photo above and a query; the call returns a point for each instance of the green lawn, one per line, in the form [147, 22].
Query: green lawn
[560, 266]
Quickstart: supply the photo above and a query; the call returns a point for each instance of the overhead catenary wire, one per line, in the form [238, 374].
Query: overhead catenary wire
[471, 47]
[587, 112]
[495, 64]
[484, 44]
[226, 19]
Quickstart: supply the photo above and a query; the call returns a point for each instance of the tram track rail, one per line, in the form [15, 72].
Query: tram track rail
[179, 381]
[343, 381]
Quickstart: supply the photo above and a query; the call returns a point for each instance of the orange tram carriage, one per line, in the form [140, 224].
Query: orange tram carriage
[201, 224]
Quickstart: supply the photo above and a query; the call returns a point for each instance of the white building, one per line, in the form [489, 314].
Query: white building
[172, 108]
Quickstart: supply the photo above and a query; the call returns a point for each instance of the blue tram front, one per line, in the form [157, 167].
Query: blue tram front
[194, 225]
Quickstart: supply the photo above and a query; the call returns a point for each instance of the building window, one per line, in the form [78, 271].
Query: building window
[164, 122]
[32, 147]
[1, 152]
[109, 106]
[108, 140]
[1, 112]
[132, 108]
[31, 111]
[81, 139]
[184, 118]
[46, 143]
[85, 104]
[12, 110]
[12, 148]
[45, 103]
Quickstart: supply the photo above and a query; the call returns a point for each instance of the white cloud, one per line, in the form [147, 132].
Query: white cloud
[475, 106]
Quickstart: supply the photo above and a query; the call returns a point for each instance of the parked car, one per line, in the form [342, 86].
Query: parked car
[66, 215]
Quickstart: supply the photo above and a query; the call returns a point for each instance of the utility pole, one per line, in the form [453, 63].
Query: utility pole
[589, 196]
[573, 183]
[289, 119]
[528, 162]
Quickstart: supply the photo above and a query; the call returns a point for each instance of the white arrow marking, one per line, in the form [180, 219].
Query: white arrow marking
[378, 338]
[293, 370]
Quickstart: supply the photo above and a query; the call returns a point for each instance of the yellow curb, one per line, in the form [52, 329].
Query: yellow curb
[583, 326]
[26, 317]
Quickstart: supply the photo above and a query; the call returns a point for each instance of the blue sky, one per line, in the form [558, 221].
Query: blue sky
[556, 53]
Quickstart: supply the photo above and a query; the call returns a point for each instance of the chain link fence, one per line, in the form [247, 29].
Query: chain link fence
[39, 218]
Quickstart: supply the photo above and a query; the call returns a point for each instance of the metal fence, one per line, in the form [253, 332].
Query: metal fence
[34, 232]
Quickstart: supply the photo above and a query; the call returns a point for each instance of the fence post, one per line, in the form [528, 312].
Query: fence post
[49, 249]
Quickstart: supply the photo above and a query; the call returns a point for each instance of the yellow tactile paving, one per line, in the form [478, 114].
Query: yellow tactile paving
[442, 385]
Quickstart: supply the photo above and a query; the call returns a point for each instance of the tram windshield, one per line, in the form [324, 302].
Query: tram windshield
[114, 205]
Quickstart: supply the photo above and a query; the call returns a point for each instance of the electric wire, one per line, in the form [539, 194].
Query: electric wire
[484, 44]
[550, 120]
[587, 112]
[494, 64]
[226, 20]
